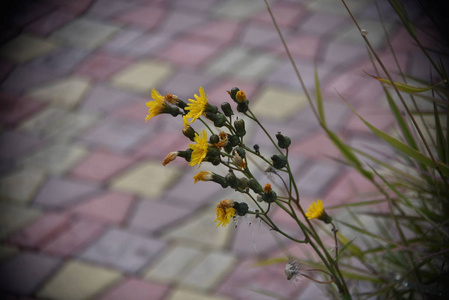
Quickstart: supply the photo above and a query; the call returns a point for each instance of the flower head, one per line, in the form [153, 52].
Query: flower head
[240, 96]
[199, 149]
[316, 211]
[157, 106]
[202, 176]
[225, 211]
[169, 158]
[197, 107]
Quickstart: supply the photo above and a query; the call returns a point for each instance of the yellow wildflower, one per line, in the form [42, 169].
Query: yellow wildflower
[240, 96]
[196, 107]
[316, 211]
[157, 106]
[202, 176]
[225, 211]
[199, 149]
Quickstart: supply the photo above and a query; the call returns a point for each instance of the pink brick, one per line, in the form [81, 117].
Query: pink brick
[162, 144]
[135, 289]
[303, 45]
[100, 166]
[78, 234]
[146, 18]
[102, 66]
[137, 111]
[51, 22]
[286, 14]
[378, 117]
[39, 232]
[220, 31]
[318, 146]
[14, 110]
[347, 188]
[189, 52]
[110, 207]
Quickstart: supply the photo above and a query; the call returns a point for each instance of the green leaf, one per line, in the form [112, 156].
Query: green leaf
[418, 156]
[319, 98]
[404, 87]
[348, 244]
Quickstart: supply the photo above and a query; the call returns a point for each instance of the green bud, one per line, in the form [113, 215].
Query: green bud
[186, 154]
[243, 183]
[254, 185]
[283, 141]
[240, 127]
[214, 139]
[226, 108]
[213, 152]
[241, 152]
[218, 119]
[211, 108]
[189, 132]
[242, 106]
[269, 197]
[232, 180]
[279, 161]
[220, 180]
[241, 208]
[233, 93]
[228, 148]
[233, 140]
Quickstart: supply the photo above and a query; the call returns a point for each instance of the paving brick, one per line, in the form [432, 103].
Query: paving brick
[74, 7]
[180, 20]
[101, 66]
[109, 8]
[55, 159]
[143, 17]
[142, 76]
[157, 147]
[25, 47]
[64, 93]
[330, 6]
[14, 144]
[117, 135]
[314, 181]
[14, 110]
[376, 34]
[13, 217]
[109, 207]
[136, 179]
[125, 251]
[136, 289]
[59, 124]
[25, 77]
[20, 186]
[208, 272]
[136, 43]
[186, 83]
[61, 192]
[24, 273]
[188, 52]
[78, 281]
[60, 61]
[174, 264]
[102, 99]
[221, 31]
[258, 34]
[197, 5]
[100, 166]
[25, 13]
[201, 230]
[188, 294]
[85, 33]
[239, 10]
[50, 22]
[304, 45]
[151, 216]
[286, 14]
[270, 279]
[319, 146]
[75, 237]
[322, 23]
[39, 232]
[131, 111]
[288, 102]
[380, 118]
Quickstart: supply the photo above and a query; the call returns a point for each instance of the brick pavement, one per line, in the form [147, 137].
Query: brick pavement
[87, 210]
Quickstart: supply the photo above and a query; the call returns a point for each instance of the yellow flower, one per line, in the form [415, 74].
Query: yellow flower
[196, 107]
[225, 211]
[157, 106]
[199, 149]
[315, 210]
[240, 96]
[202, 176]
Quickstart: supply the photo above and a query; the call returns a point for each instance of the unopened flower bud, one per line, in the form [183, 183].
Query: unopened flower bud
[189, 132]
[241, 208]
[255, 186]
[218, 119]
[226, 108]
[242, 106]
[233, 93]
[186, 154]
[169, 158]
[240, 127]
[243, 183]
[269, 197]
[240, 96]
[283, 141]
[279, 161]
[213, 139]
[232, 180]
[233, 140]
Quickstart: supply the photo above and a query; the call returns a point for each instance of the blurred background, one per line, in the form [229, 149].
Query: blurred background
[87, 211]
